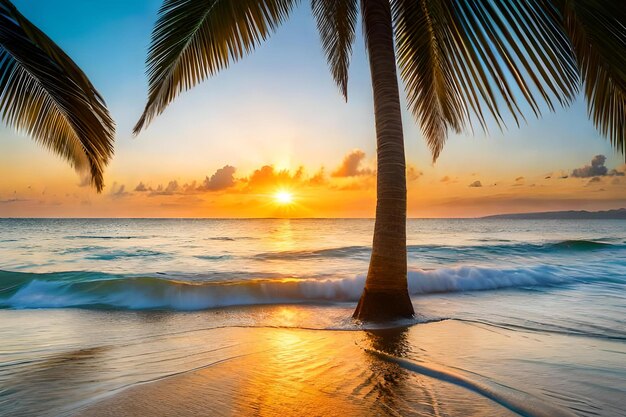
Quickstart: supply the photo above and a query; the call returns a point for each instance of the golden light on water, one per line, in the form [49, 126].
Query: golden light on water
[283, 197]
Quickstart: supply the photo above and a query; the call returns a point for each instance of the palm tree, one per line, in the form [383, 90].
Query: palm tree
[45, 94]
[459, 60]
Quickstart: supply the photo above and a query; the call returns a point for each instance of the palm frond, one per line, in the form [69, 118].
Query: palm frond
[336, 22]
[458, 57]
[428, 73]
[194, 39]
[597, 30]
[45, 94]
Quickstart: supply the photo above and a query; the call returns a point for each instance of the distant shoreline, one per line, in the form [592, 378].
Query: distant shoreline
[618, 214]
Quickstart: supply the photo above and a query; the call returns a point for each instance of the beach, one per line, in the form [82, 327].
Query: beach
[432, 369]
[291, 372]
[114, 317]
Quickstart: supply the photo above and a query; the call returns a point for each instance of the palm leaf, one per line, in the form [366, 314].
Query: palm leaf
[336, 22]
[598, 34]
[45, 94]
[427, 72]
[194, 39]
[459, 57]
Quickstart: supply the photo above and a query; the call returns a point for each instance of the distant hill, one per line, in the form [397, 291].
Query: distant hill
[565, 215]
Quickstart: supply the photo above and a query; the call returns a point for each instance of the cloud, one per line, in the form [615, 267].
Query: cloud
[350, 166]
[262, 179]
[172, 188]
[222, 179]
[449, 180]
[594, 180]
[13, 200]
[519, 181]
[476, 184]
[118, 191]
[268, 176]
[412, 173]
[598, 169]
[319, 178]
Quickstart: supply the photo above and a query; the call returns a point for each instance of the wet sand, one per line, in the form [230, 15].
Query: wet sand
[448, 368]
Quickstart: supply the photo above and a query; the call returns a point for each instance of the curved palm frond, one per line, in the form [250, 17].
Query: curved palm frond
[458, 56]
[336, 22]
[598, 34]
[44, 93]
[194, 39]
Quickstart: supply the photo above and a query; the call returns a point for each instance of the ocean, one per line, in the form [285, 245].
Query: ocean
[106, 305]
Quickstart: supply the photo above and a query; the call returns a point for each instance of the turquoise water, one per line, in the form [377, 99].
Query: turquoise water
[136, 280]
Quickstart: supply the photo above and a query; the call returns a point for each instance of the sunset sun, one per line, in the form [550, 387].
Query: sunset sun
[283, 197]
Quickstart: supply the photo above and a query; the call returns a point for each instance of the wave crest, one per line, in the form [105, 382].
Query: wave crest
[97, 290]
[486, 249]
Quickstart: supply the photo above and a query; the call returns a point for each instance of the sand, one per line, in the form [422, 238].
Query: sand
[448, 368]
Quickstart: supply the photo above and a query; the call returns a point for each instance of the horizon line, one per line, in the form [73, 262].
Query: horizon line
[483, 217]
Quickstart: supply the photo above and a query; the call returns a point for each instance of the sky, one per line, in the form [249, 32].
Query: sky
[275, 122]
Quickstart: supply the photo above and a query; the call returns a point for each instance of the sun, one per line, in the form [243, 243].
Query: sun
[283, 197]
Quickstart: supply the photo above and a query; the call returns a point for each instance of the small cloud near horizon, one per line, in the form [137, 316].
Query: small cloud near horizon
[118, 190]
[475, 184]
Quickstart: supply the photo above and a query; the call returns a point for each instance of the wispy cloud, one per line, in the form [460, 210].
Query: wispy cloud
[594, 180]
[13, 200]
[412, 173]
[118, 191]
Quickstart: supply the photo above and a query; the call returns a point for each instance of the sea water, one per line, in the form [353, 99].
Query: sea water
[109, 297]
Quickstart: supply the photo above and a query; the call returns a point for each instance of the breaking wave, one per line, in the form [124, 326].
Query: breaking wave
[107, 291]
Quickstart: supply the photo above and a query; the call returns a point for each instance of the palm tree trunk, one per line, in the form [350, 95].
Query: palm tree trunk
[386, 294]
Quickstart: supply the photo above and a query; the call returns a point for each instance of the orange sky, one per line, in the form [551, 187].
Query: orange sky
[344, 190]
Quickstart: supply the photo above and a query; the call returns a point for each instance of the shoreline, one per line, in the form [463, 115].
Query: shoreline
[278, 371]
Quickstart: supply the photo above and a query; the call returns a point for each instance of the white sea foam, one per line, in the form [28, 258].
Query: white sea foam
[162, 293]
